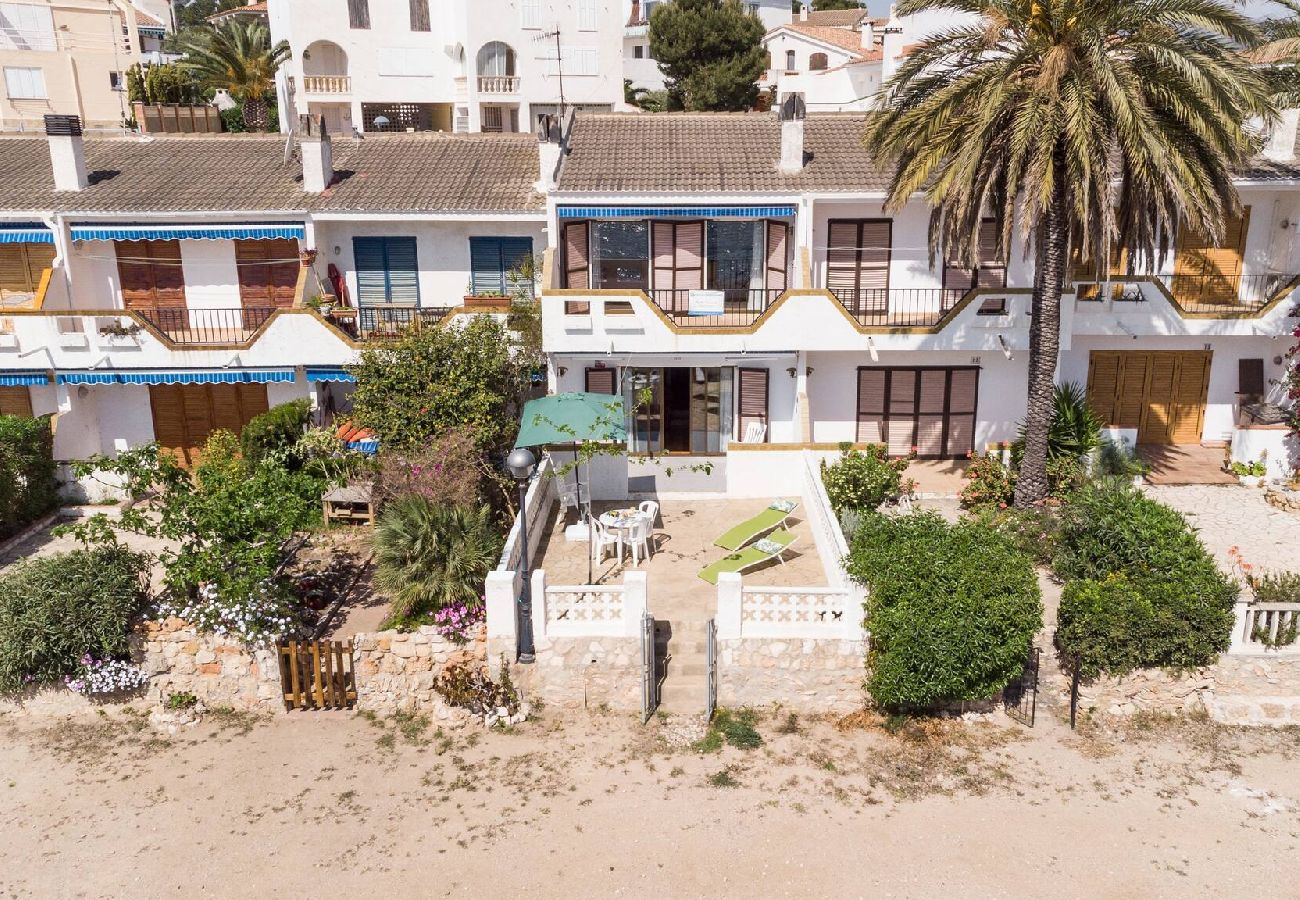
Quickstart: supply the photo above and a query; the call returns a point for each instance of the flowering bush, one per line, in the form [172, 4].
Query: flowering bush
[864, 479]
[989, 483]
[262, 614]
[106, 676]
[457, 622]
[445, 472]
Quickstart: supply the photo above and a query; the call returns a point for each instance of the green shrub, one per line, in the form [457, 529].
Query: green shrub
[28, 489]
[1275, 587]
[276, 431]
[428, 556]
[1141, 589]
[988, 483]
[951, 609]
[1034, 532]
[1119, 459]
[56, 609]
[1075, 429]
[863, 479]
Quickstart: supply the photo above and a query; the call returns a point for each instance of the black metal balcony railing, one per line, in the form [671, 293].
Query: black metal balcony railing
[383, 322]
[207, 326]
[740, 306]
[899, 307]
[1226, 293]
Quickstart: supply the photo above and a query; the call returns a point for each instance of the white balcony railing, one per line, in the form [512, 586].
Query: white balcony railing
[327, 84]
[498, 84]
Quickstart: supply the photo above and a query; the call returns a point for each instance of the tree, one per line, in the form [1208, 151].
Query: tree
[1081, 126]
[710, 52]
[238, 57]
[196, 12]
[823, 5]
[1279, 53]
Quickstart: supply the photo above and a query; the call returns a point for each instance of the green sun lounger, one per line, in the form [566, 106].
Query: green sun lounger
[757, 553]
[772, 517]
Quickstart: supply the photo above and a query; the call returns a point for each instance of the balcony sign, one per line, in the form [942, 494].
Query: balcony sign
[226, 376]
[186, 232]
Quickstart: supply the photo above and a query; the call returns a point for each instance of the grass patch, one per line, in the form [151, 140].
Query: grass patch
[724, 778]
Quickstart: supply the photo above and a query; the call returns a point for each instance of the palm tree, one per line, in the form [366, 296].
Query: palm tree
[238, 57]
[1279, 53]
[1079, 124]
[430, 555]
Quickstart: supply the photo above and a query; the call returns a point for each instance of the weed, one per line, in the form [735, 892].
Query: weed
[412, 726]
[737, 726]
[724, 778]
[241, 721]
[387, 741]
[790, 725]
[181, 700]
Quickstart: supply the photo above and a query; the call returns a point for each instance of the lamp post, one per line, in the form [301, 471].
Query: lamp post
[521, 464]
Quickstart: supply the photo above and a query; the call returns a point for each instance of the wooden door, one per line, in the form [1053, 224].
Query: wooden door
[185, 415]
[1160, 393]
[268, 272]
[1206, 272]
[150, 273]
[15, 401]
[931, 409]
[21, 267]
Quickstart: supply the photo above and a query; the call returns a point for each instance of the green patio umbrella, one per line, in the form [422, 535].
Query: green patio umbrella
[574, 418]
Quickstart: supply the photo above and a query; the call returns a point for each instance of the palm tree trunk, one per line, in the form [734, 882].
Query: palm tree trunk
[255, 114]
[1044, 341]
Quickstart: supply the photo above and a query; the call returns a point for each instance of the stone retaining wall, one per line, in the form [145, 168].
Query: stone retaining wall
[812, 676]
[1238, 690]
[396, 670]
[587, 672]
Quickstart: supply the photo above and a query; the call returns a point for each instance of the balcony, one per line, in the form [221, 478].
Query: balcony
[1200, 296]
[207, 327]
[727, 308]
[901, 307]
[498, 84]
[380, 323]
[327, 84]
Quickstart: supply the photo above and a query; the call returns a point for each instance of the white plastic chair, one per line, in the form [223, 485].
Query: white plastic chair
[649, 509]
[755, 432]
[638, 539]
[602, 537]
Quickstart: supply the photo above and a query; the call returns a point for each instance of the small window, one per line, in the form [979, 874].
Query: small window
[25, 83]
[993, 306]
[753, 8]
[789, 61]
[619, 308]
[817, 62]
[638, 52]
[358, 13]
[530, 14]
[587, 15]
[498, 265]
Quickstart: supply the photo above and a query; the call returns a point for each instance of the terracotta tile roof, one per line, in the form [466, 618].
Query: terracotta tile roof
[144, 20]
[234, 173]
[834, 18]
[714, 153]
[843, 38]
[257, 9]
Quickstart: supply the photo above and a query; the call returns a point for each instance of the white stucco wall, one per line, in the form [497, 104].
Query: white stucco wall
[211, 276]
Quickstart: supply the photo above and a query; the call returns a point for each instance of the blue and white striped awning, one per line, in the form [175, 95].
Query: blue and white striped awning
[19, 379]
[189, 232]
[370, 446]
[676, 212]
[329, 373]
[228, 376]
[25, 233]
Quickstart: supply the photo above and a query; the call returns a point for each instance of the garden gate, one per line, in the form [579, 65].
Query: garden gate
[1020, 696]
[710, 669]
[317, 674]
[649, 668]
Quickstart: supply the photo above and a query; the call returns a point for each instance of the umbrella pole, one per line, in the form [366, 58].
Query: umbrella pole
[577, 473]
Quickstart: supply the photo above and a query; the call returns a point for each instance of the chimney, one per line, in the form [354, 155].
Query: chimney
[549, 148]
[892, 48]
[1282, 138]
[867, 35]
[67, 152]
[317, 155]
[803, 10]
[791, 117]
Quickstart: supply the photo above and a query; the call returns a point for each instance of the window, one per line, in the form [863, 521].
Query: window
[586, 15]
[638, 52]
[753, 8]
[649, 7]
[681, 409]
[857, 263]
[268, 272]
[358, 13]
[21, 268]
[575, 61]
[496, 59]
[117, 81]
[419, 15]
[387, 270]
[25, 83]
[530, 13]
[789, 61]
[817, 62]
[735, 258]
[620, 255]
[931, 409]
[990, 271]
[496, 265]
[25, 26]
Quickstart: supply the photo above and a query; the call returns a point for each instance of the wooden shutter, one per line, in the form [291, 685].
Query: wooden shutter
[1191, 382]
[963, 397]
[1103, 385]
[752, 399]
[601, 381]
[15, 401]
[857, 262]
[1250, 377]
[185, 415]
[1157, 426]
[1132, 389]
[900, 424]
[420, 15]
[21, 266]
[577, 274]
[1209, 272]
[871, 405]
[368, 258]
[932, 406]
[268, 272]
[168, 411]
[663, 255]
[688, 255]
[778, 234]
[358, 13]
[992, 267]
[403, 271]
[150, 274]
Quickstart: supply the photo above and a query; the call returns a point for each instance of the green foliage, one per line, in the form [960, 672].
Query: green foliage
[988, 483]
[951, 609]
[1275, 587]
[56, 609]
[1034, 532]
[863, 479]
[470, 686]
[238, 57]
[644, 98]
[1075, 429]
[164, 83]
[432, 380]
[194, 13]
[428, 556]
[1120, 460]
[710, 52]
[1065, 475]
[446, 472]
[28, 489]
[276, 432]
[1141, 590]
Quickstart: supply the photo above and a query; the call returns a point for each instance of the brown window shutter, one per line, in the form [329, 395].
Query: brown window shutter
[992, 269]
[663, 252]
[576, 259]
[169, 278]
[135, 274]
[777, 266]
[963, 396]
[871, 406]
[15, 401]
[601, 381]
[268, 272]
[1250, 377]
[842, 256]
[688, 255]
[420, 15]
[21, 266]
[752, 399]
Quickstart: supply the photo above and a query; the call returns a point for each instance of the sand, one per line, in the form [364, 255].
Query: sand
[580, 804]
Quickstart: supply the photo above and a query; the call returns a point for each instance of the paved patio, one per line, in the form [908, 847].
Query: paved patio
[681, 545]
[1234, 516]
[1173, 464]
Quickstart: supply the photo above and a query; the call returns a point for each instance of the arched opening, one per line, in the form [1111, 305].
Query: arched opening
[496, 59]
[789, 61]
[323, 58]
[817, 62]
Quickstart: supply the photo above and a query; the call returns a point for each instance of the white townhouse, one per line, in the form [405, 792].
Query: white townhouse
[159, 288]
[735, 278]
[446, 65]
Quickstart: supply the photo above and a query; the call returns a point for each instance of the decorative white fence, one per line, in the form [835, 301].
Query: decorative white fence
[817, 613]
[589, 610]
[538, 500]
[1267, 628]
[827, 535]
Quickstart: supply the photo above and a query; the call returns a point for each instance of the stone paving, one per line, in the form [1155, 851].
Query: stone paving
[1235, 516]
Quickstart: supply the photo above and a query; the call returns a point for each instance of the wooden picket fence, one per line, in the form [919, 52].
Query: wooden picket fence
[317, 675]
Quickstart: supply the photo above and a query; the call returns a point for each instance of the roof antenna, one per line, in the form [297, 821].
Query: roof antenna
[559, 62]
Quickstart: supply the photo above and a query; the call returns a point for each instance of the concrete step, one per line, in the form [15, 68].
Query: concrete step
[689, 669]
[687, 648]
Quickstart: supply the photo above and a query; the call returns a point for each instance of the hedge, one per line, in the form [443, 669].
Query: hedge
[277, 430]
[951, 609]
[28, 488]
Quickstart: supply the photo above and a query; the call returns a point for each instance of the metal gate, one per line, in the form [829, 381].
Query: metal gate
[710, 669]
[649, 679]
[1020, 696]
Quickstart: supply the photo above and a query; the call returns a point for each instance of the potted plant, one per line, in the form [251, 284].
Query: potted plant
[1250, 474]
[322, 303]
[116, 334]
[307, 258]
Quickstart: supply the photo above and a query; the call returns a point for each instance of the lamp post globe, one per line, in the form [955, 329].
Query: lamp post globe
[521, 463]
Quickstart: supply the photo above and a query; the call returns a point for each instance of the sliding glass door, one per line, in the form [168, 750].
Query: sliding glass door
[678, 410]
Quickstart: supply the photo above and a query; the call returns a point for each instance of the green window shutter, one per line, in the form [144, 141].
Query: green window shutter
[368, 257]
[485, 266]
[403, 271]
